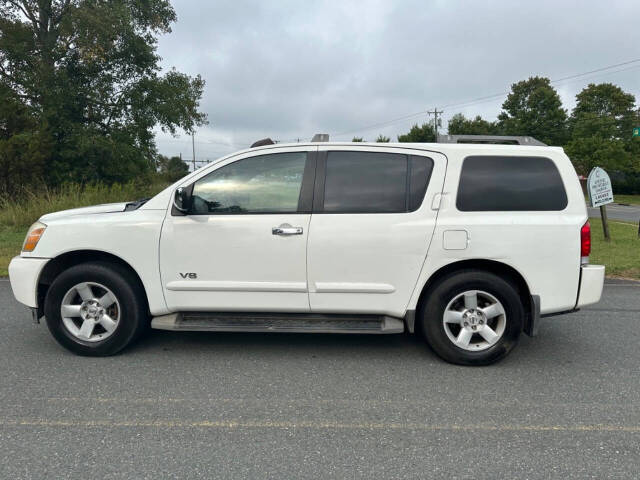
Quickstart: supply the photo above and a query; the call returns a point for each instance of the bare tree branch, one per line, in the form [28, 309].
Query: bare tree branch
[26, 11]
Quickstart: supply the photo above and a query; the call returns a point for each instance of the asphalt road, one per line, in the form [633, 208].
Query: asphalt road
[626, 213]
[187, 405]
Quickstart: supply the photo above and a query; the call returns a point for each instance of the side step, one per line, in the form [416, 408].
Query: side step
[278, 322]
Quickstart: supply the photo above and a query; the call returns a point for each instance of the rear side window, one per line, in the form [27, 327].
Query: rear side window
[502, 183]
[371, 182]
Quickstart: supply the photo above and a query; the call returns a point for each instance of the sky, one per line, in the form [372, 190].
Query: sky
[289, 69]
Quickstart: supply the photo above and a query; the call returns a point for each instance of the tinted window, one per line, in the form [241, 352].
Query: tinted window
[492, 183]
[264, 184]
[421, 168]
[365, 182]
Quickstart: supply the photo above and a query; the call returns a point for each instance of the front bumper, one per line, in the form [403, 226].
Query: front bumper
[591, 284]
[24, 274]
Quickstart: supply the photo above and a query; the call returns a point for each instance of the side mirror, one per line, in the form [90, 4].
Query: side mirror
[182, 199]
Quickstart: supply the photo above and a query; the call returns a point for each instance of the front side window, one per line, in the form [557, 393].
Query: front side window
[371, 182]
[503, 183]
[264, 184]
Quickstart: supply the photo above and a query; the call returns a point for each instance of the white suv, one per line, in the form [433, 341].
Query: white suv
[469, 245]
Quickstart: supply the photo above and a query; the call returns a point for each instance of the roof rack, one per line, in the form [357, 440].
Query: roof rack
[320, 137]
[261, 143]
[491, 139]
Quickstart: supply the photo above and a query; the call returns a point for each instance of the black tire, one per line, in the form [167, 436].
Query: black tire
[450, 286]
[125, 286]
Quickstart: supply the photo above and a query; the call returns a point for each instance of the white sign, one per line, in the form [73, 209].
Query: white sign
[599, 187]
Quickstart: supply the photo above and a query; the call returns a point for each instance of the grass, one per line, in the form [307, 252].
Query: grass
[631, 199]
[32, 204]
[628, 199]
[16, 216]
[11, 239]
[621, 255]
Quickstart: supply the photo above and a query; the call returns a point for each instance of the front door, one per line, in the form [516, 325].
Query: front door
[242, 245]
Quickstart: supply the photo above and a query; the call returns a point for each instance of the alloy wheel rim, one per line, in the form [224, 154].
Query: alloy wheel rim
[90, 312]
[474, 320]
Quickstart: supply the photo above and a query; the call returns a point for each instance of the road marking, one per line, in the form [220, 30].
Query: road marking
[611, 310]
[266, 424]
[313, 402]
[622, 208]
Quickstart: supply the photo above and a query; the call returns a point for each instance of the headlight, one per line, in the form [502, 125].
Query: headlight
[33, 236]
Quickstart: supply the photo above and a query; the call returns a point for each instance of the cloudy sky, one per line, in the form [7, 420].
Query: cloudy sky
[288, 69]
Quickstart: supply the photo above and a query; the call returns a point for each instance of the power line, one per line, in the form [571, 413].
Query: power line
[485, 98]
[598, 70]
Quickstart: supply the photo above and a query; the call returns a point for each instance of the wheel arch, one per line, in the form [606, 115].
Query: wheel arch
[75, 257]
[499, 268]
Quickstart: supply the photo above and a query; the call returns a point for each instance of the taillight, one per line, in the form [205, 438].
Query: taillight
[585, 242]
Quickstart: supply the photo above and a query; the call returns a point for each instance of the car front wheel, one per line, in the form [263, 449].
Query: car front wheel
[95, 309]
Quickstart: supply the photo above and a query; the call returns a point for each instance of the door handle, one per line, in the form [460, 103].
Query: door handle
[286, 229]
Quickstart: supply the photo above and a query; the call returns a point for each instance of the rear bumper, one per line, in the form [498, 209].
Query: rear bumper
[24, 274]
[591, 284]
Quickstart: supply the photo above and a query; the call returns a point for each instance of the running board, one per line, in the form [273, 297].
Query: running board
[278, 322]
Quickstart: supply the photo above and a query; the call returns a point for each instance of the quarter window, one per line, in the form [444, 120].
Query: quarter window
[501, 183]
[371, 182]
[420, 173]
[264, 184]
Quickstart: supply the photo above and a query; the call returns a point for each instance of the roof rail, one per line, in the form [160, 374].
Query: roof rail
[264, 141]
[320, 137]
[491, 139]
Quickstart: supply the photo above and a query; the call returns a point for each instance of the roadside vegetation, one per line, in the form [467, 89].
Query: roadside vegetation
[622, 254]
[622, 199]
[21, 210]
[629, 199]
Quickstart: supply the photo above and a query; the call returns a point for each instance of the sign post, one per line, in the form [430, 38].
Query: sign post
[600, 194]
[636, 132]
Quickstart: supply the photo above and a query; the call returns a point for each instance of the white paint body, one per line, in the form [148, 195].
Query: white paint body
[356, 263]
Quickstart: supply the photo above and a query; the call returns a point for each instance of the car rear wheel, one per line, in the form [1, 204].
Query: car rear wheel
[95, 309]
[472, 317]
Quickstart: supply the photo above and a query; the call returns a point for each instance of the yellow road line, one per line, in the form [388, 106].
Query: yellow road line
[207, 424]
[317, 401]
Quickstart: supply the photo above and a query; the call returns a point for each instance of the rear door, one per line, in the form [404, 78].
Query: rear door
[373, 220]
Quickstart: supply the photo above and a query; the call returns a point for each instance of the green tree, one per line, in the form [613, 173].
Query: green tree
[85, 77]
[461, 125]
[601, 126]
[357, 139]
[588, 152]
[382, 139]
[21, 144]
[419, 134]
[171, 169]
[534, 108]
[604, 110]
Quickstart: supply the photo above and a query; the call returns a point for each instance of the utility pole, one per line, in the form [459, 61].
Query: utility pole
[436, 122]
[193, 149]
